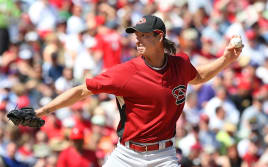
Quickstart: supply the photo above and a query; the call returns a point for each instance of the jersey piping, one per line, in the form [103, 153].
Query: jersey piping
[123, 118]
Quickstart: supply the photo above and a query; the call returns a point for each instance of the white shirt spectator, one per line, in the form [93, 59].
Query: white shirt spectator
[262, 72]
[83, 61]
[242, 147]
[186, 143]
[255, 54]
[216, 124]
[194, 5]
[73, 46]
[252, 112]
[75, 25]
[212, 32]
[62, 84]
[44, 16]
[192, 114]
[232, 114]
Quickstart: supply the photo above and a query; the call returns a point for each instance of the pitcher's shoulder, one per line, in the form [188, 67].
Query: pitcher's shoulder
[181, 55]
[129, 65]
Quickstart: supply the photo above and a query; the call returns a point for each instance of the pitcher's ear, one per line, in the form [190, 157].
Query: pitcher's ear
[159, 34]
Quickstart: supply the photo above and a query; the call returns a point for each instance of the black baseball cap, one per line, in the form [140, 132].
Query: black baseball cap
[148, 23]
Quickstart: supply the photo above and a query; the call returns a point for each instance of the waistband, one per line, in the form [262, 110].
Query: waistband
[145, 147]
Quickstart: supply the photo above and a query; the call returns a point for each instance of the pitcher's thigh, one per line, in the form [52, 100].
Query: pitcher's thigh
[117, 159]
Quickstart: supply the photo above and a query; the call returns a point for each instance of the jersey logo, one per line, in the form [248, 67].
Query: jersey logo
[141, 21]
[179, 92]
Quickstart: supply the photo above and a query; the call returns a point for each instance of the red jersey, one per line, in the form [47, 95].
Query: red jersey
[110, 46]
[71, 158]
[149, 101]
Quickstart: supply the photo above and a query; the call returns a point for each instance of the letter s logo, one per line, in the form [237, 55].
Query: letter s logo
[179, 92]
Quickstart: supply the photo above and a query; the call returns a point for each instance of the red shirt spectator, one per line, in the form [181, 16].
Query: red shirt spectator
[53, 127]
[250, 159]
[76, 155]
[109, 44]
[72, 158]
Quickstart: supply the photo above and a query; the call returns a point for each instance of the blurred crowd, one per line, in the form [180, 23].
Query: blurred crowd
[49, 46]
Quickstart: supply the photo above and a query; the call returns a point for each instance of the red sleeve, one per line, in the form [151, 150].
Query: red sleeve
[189, 70]
[61, 159]
[112, 80]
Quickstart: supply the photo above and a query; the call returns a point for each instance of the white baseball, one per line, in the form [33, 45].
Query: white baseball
[236, 42]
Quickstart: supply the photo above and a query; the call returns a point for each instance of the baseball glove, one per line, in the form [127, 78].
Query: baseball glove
[26, 117]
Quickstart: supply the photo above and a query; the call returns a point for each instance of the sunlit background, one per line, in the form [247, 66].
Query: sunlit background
[49, 46]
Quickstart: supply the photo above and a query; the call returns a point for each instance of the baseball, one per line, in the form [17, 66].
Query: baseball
[237, 42]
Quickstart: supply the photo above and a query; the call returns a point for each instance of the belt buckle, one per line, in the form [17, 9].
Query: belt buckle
[146, 148]
[142, 145]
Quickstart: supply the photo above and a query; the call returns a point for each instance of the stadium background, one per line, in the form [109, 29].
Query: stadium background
[49, 46]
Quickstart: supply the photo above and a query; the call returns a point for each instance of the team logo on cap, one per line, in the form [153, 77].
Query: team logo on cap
[179, 92]
[141, 21]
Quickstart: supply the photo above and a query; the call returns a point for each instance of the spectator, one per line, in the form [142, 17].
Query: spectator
[8, 11]
[42, 38]
[190, 109]
[108, 46]
[25, 151]
[204, 93]
[85, 60]
[9, 158]
[66, 81]
[242, 98]
[263, 161]
[251, 156]
[254, 51]
[53, 128]
[52, 48]
[219, 119]
[79, 156]
[74, 44]
[55, 71]
[9, 58]
[75, 22]
[212, 32]
[262, 71]
[3, 142]
[226, 137]
[193, 158]
[233, 156]
[209, 158]
[189, 140]
[221, 98]
[207, 136]
[253, 117]
[44, 16]
[41, 148]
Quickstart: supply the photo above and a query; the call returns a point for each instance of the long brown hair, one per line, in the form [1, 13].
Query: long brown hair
[169, 46]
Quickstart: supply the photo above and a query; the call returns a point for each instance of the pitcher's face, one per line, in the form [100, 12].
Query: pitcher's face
[146, 43]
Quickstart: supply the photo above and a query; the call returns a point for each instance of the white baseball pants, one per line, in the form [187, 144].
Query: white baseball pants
[125, 157]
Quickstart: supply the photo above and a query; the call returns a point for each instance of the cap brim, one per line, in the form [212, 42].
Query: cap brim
[138, 28]
[131, 30]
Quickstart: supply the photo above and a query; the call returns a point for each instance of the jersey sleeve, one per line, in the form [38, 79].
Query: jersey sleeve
[189, 70]
[112, 80]
[62, 159]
